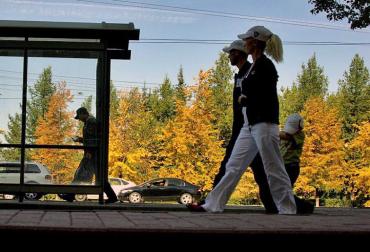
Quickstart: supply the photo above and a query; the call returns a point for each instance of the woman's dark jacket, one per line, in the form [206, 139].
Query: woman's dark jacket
[261, 92]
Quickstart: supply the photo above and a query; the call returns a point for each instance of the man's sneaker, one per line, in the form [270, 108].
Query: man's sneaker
[111, 200]
[305, 208]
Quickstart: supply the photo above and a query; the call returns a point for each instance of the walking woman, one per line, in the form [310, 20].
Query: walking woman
[260, 132]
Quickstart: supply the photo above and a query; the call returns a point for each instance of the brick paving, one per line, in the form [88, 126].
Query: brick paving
[163, 221]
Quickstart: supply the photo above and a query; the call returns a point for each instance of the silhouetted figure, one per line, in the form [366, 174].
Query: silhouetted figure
[88, 165]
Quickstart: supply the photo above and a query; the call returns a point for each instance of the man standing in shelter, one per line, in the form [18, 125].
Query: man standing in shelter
[88, 165]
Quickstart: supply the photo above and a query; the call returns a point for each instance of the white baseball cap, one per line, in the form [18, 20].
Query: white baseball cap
[257, 32]
[235, 45]
[293, 123]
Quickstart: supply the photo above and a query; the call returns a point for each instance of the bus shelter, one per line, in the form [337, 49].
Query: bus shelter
[23, 44]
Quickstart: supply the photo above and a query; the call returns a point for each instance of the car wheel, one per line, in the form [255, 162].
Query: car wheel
[32, 196]
[135, 197]
[186, 198]
[80, 197]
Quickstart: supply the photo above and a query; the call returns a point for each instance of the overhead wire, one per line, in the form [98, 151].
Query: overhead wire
[179, 9]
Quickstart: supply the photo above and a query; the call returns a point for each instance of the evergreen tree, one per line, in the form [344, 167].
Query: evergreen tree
[114, 101]
[38, 103]
[163, 101]
[289, 102]
[311, 82]
[13, 136]
[354, 97]
[221, 78]
[87, 103]
[152, 101]
[181, 86]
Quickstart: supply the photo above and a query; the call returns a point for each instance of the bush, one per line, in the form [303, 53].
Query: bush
[335, 202]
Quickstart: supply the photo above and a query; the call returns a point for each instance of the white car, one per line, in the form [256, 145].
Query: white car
[117, 184]
[34, 173]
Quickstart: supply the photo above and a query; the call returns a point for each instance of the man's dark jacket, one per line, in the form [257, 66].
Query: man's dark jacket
[238, 119]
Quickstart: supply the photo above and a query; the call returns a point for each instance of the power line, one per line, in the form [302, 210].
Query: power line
[74, 77]
[178, 9]
[215, 42]
[20, 98]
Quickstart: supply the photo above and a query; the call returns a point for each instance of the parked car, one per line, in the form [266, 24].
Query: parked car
[34, 173]
[162, 189]
[117, 184]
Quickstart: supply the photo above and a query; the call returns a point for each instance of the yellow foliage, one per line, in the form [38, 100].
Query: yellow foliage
[322, 161]
[246, 189]
[360, 161]
[57, 128]
[130, 140]
[189, 145]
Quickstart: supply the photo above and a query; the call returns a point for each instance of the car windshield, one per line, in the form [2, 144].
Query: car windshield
[114, 182]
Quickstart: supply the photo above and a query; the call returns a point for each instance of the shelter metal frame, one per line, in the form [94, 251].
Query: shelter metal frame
[101, 41]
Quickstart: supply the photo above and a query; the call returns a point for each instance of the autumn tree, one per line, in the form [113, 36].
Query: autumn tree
[354, 97]
[38, 103]
[190, 148]
[57, 128]
[356, 11]
[359, 182]
[322, 161]
[130, 139]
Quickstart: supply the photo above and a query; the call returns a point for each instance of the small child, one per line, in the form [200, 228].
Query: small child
[291, 145]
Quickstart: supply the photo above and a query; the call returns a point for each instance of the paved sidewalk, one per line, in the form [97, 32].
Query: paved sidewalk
[158, 222]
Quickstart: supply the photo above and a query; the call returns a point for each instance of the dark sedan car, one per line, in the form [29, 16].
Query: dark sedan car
[162, 189]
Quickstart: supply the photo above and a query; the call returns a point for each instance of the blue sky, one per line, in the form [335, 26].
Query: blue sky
[151, 62]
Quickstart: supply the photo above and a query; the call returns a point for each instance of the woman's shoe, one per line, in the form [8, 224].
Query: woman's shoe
[195, 208]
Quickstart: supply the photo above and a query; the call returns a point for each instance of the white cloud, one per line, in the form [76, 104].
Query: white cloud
[91, 11]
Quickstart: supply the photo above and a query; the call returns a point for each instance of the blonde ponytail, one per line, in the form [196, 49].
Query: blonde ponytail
[274, 48]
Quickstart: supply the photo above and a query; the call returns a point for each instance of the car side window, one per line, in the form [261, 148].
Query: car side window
[159, 183]
[175, 183]
[13, 169]
[32, 168]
